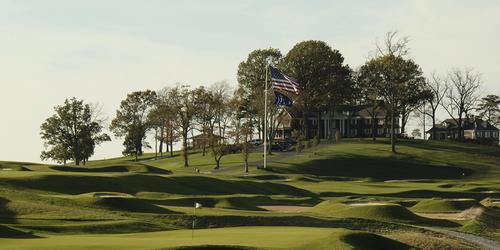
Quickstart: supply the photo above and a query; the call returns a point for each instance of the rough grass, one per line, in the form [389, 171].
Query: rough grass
[379, 211]
[444, 205]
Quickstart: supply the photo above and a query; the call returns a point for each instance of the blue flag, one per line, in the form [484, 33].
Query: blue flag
[282, 99]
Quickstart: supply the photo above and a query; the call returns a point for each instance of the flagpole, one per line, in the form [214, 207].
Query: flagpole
[265, 117]
[194, 218]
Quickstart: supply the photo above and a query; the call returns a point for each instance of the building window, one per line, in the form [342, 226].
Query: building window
[487, 134]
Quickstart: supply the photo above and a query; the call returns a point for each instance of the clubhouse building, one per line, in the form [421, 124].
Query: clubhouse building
[350, 121]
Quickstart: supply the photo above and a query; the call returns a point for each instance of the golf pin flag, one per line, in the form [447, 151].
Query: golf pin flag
[281, 99]
[197, 205]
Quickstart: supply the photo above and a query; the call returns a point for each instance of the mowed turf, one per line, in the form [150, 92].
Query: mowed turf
[238, 237]
[55, 206]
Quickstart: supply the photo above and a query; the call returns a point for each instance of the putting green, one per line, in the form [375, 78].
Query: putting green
[257, 237]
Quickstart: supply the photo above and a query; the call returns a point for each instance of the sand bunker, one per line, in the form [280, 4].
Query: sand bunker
[111, 195]
[490, 192]
[365, 203]
[7, 169]
[286, 209]
[410, 180]
[468, 214]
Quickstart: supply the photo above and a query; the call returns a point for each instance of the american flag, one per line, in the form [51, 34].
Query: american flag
[283, 82]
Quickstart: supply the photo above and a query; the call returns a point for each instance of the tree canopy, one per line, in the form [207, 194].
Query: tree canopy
[72, 133]
[131, 120]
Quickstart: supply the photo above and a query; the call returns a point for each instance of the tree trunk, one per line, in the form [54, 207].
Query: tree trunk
[217, 164]
[434, 124]
[184, 148]
[374, 129]
[318, 133]
[393, 130]
[305, 129]
[171, 142]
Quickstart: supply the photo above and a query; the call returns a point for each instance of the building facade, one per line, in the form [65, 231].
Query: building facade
[350, 121]
[474, 129]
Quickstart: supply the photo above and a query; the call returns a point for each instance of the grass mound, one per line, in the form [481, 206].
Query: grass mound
[444, 205]
[122, 202]
[376, 211]
[347, 239]
[266, 177]
[134, 183]
[486, 223]
[96, 227]
[362, 240]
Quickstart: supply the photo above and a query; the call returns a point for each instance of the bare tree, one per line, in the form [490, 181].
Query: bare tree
[462, 95]
[392, 44]
[438, 88]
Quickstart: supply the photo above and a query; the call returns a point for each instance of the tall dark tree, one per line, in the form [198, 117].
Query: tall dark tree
[132, 122]
[72, 133]
[489, 108]
[323, 79]
[251, 80]
[369, 95]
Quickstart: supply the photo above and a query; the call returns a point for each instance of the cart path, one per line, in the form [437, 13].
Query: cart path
[483, 243]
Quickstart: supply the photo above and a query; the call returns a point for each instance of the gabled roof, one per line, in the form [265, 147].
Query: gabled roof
[468, 124]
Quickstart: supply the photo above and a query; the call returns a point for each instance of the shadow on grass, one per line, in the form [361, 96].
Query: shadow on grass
[211, 247]
[453, 146]
[378, 168]
[132, 184]
[9, 217]
[117, 168]
[417, 194]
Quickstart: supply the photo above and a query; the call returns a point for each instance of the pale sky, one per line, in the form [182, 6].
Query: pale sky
[101, 50]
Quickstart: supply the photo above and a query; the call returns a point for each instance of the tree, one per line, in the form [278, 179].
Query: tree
[242, 125]
[367, 83]
[205, 102]
[222, 116]
[438, 90]
[322, 76]
[462, 95]
[489, 108]
[251, 80]
[72, 133]
[397, 78]
[162, 117]
[132, 122]
[184, 103]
